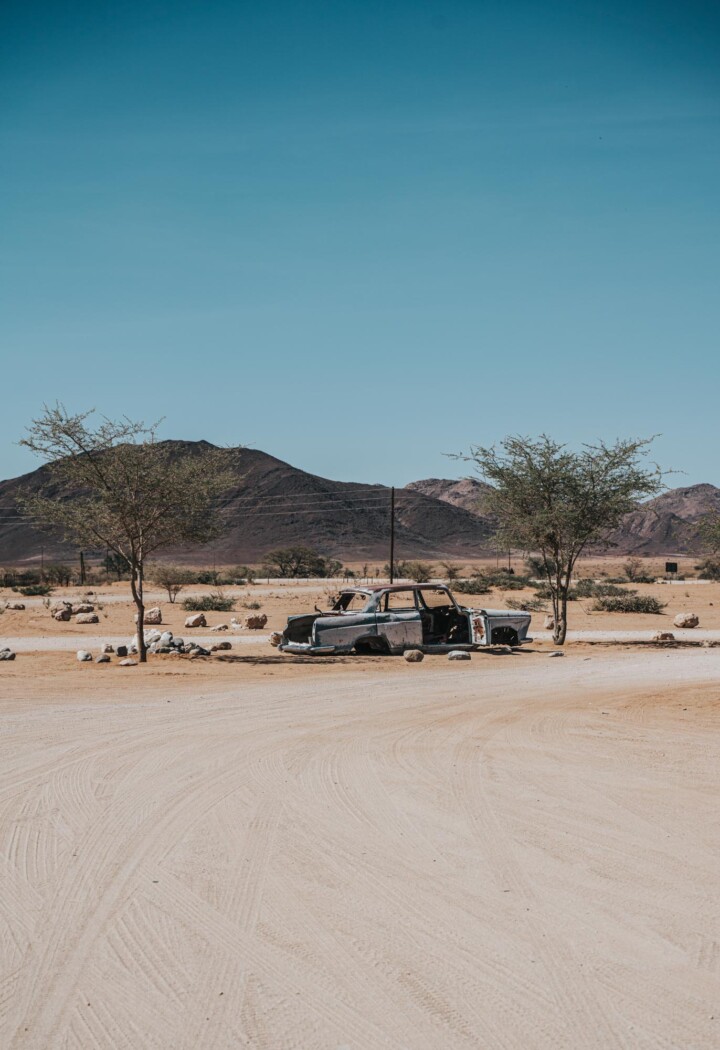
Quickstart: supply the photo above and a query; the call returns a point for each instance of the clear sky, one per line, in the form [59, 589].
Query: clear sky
[359, 235]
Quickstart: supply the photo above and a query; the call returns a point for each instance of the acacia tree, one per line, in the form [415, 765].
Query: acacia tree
[172, 578]
[116, 486]
[556, 502]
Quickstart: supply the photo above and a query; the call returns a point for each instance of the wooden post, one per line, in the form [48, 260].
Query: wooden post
[82, 568]
[392, 534]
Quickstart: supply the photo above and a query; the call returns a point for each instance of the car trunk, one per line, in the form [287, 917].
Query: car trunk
[299, 628]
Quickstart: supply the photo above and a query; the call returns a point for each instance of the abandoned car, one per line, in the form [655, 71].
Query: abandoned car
[391, 619]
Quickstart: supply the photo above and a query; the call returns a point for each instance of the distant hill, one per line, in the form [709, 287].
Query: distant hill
[273, 504]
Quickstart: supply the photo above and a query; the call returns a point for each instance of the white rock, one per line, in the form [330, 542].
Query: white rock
[15, 606]
[151, 637]
[62, 614]
[128, 663]
[549, 624]
[83, 607]
[83, 656]
[153, 616]
[220, 647]
[166, 638]
[107, 648]
[686, 619]
[103, 658]
[458, 654]
[220, 627]
[7, 654]
[196, 620]
[556, 653]
[664, 636]
[275, 638]
[414, 656]
[87, 618]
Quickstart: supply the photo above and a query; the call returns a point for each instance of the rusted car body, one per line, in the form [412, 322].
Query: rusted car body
[391, 619]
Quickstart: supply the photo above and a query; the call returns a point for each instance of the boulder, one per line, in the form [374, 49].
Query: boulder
[255, 622]
[153, 616]
[275, 638]
[152, 637]
[414, 656]
[220, 627]
[122, 650]
[62, 614]
[7, 654]
[196, 620]
[87, 618]
[165, 638]
[107, 648]
[128, 663]
[220, 647]
[458, 654]
[15, 606]
[83, 607]
[664, 636]
[549, 624]
[103, 658]
[83, 656]
[686, 619]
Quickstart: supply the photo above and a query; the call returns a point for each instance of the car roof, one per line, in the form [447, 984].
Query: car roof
[395, 587]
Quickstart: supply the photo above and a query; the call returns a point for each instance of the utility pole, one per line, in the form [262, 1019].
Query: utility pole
[392, 534]
[42, 563]
[82, 568]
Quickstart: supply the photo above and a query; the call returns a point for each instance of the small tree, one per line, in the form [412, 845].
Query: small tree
[289, 562]
[117, 487]
[554, 501]
[633, 568]
[452, 572]
[172, 578]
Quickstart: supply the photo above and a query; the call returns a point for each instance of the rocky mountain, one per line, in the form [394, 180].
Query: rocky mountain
[468, 493]
[273, 504]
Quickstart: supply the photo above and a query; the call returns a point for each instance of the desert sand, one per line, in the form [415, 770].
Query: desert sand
[517, 852]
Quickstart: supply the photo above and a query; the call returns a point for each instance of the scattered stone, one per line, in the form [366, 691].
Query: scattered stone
[163, 649]
[686, 619]
[196, 620]
[197, 650]
[83, 607]
[414, 656]
[275, 638]
[7, 654]
[220, 627]
[107, 648]
[166, 638]
[15, 606]
[62, 614]
[128, 663]
[83, 656]
[459, 654]
[87, 618]
[663, 636]
[556, 653]
[549, 623]
[103, 658]
[255, 622]
[122, 650]
[151, 637]
[220, 647]
[153, 616]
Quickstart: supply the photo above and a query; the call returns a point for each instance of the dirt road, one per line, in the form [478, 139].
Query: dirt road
[507, 854]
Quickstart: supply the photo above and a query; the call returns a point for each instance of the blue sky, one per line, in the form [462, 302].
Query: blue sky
[362, 235]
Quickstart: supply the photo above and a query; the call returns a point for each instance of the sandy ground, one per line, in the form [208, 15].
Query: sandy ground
[512, 853]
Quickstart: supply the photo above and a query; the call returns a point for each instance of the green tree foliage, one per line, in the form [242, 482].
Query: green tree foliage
[291, 562]
[553, 501]
[127, 492]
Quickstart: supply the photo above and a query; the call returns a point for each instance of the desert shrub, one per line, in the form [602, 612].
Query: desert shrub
[474, 585]
[251, 605]
[603, 589]
[172, 578]
[709, 569]
[419, 571]
[542, 591]
[534, 604]
[34, 590]
[215, 602]
[535, 566]
[451, 572]
[629, 603]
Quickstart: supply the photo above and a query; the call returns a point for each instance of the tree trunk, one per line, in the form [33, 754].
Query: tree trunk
[136, 586]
